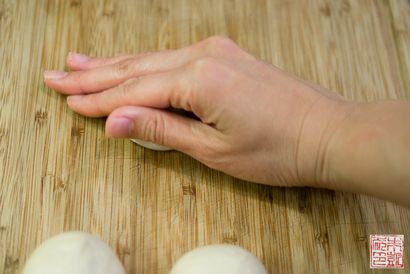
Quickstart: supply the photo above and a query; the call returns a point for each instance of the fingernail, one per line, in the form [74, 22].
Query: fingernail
[73, 99]
[77, 57]
[121, 127]
[54, 74]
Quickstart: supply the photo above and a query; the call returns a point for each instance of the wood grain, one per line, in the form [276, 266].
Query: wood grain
[59, 172]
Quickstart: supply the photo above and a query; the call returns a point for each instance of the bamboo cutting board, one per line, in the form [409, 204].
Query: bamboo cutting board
[59, 172]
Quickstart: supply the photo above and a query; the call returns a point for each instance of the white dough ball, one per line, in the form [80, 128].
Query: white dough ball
[73, 253]
[219, 259]
[151, 145]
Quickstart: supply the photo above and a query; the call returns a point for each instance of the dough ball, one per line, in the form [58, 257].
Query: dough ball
[150, 145]
[73, 253]
[218, 259]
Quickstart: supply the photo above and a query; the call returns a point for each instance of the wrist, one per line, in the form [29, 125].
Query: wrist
[368, 153]
[318, 131]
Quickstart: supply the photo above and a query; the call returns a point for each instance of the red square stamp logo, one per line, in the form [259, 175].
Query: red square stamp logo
[387, 251]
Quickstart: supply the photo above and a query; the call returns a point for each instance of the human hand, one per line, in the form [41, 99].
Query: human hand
[257, 122]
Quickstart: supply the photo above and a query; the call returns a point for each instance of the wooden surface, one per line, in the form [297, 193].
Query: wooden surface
[59, 172]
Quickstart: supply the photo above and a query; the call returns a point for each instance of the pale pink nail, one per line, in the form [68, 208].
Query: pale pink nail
[77, 57]
[73, 99]
[121, 127]
[54, 74]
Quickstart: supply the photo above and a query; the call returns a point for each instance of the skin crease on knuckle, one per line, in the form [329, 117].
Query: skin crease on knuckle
[152, 130]
[125, 68]
[78, 78]
[124, 89]
[103, 103]
[98, 108]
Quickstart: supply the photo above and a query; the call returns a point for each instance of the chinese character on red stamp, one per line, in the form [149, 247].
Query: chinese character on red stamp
[387, 251]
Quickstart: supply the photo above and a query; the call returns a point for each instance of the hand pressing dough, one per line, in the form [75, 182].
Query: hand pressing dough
[150, 145]
[218, 259]
[73, 253]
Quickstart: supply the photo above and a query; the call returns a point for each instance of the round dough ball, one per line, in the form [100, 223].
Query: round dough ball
[73, 253]
[218, 259]
[151, 145]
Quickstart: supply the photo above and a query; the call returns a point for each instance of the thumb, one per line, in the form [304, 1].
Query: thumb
[158, 126]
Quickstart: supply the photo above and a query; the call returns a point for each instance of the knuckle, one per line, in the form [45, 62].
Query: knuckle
[218, 43]
[81, 80]
[207, 71]
[124, 91]
[125, 88]
[203, 65]
[97, 103]
[154, 130]
[125, 67]
[218, 40]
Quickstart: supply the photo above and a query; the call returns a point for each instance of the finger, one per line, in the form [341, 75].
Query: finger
[183, 88]
[214, 46]
[105, 77]
[77, 61]
[160, 127]
[161, 90]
